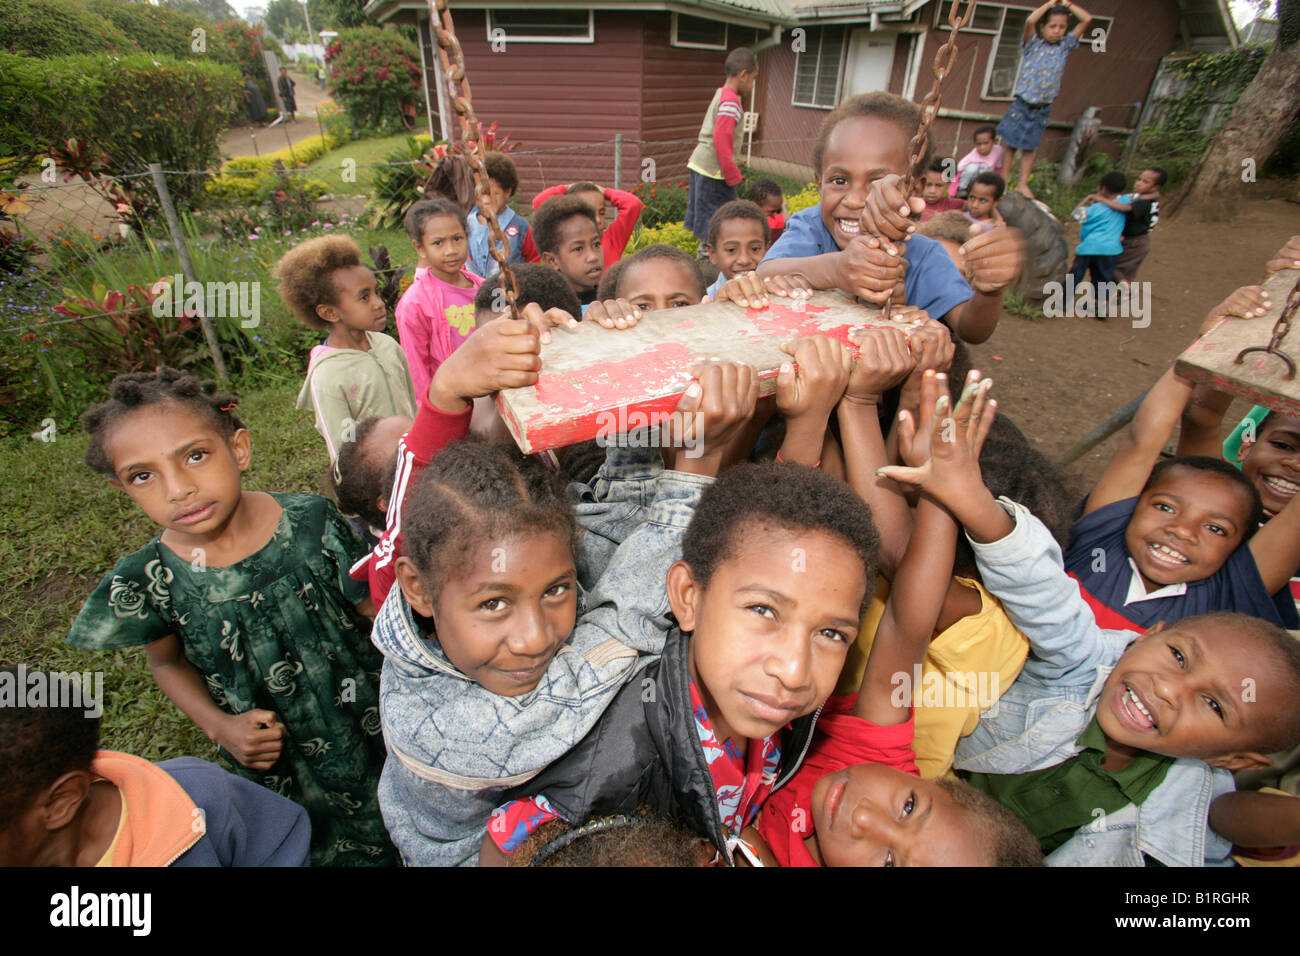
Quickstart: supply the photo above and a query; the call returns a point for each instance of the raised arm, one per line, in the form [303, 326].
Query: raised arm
[919, 587]
[628, 207]
[1032, 23]
[1251, 818]
[807, 391]
[1085, 20]
[1276, 547]
[883, 362]
[1202, 421]
[1140, 445]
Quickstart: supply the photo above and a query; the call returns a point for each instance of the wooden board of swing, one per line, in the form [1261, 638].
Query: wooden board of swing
[1211, 358]
[597, 381]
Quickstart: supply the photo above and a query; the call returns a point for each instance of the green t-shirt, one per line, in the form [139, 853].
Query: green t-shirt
[1054, 802]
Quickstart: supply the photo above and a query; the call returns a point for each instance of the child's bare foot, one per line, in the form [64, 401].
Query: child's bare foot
[1025, 191]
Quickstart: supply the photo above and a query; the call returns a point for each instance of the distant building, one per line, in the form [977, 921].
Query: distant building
[566, 75]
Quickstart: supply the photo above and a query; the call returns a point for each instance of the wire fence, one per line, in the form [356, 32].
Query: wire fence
[89, 242]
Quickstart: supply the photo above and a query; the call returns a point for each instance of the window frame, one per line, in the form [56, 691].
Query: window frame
[839, 69]
[993, 55]
[688, 45]
[508, 37]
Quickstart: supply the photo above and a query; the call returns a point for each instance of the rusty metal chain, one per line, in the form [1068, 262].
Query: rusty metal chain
[944, 58]
[453, 65]
[1280, 330]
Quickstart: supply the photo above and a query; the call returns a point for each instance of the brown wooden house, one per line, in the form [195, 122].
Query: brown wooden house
[566, 79]
[847, 47]
[587, 89]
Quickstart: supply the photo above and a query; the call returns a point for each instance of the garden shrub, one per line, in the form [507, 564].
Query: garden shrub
[664, 202]
[809, 196]
[372, 73]
[130, 110]
[669, 233]
[47, 28]
[154, 29]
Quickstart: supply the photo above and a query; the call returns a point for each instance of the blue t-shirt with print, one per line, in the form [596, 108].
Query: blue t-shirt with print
[932, 281]
[1041, 66]
[1100, 233]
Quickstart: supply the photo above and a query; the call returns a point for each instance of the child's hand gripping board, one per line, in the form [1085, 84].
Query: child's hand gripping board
[602, 382]
[1260, 376]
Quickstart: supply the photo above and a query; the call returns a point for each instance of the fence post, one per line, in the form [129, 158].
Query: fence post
[187, 266]
[618, 160]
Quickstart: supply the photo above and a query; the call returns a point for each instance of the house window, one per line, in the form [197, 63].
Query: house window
[526, 25]
[817, 68]
[698, 33]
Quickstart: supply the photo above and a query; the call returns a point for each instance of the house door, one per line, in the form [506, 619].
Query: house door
[871, 58]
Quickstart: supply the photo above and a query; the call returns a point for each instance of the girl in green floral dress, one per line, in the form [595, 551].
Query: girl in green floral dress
[252, 626]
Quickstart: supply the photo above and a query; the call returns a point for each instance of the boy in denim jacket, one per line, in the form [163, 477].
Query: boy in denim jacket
[1110, 749]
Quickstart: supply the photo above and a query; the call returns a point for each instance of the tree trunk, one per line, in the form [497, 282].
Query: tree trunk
[1258, 121]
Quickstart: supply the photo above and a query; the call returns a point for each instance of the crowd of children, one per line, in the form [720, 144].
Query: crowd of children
[860, 622]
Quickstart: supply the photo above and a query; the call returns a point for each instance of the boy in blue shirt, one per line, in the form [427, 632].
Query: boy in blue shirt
[503, 180]
[1147, 731]
[849, 240]
[1100, 241]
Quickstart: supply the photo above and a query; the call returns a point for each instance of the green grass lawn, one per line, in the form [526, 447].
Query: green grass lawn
[366, 153]
[63, 527]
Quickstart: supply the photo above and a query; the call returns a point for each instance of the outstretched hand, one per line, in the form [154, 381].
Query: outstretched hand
[944, 445]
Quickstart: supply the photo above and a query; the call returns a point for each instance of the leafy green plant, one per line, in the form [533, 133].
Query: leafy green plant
[664, 202]
[375, 74]
[668, 233]
[156, 29]
[120, 331]
[388, 276]
[807, 197]
[129, 110]
[334, 121]
[48, 28]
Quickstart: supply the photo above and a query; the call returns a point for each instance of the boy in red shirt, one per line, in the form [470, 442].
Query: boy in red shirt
[714, 173]
[767, 195]
[934, 190]
[614, 236]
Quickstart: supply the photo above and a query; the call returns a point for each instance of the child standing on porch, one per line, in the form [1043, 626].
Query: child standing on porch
[714, 173]
[1042, 61]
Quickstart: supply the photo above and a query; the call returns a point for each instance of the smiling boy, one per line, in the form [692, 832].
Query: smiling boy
[848, 240]
[1162, 540]
[1144, 731]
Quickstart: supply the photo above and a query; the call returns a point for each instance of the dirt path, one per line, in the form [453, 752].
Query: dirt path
[253, 141]
[1060, 378]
